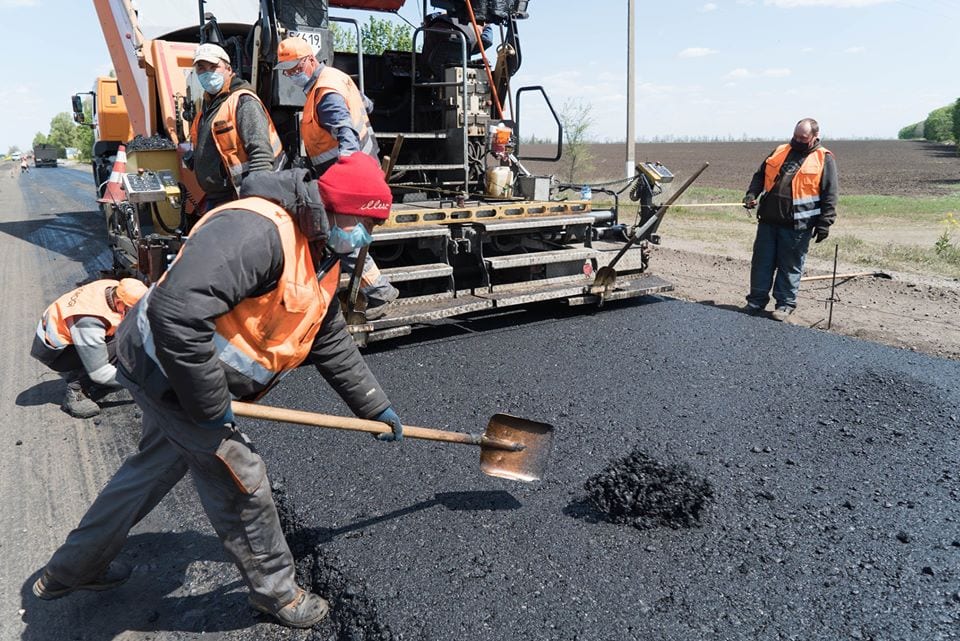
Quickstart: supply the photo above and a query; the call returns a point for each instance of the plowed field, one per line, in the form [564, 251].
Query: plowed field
[885, 167]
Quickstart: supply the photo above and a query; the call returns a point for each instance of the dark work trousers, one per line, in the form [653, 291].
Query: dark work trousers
[232, 484]
[66, 361]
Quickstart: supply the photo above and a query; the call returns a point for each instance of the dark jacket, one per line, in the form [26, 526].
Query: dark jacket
[253, 129]
[776, 207]
[234, 256]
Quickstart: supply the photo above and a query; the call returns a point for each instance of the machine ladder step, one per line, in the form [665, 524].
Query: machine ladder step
[539, 258]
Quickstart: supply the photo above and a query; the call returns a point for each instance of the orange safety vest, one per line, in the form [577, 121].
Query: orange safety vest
[227, 140]
[806, 182]
[321, 146]
[89, 300]
[264, 337]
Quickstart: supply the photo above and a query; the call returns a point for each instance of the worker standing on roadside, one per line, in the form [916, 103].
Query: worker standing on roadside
[75, 337]
[251, 296]
[335, 125]
[232, 134]
[797, 190]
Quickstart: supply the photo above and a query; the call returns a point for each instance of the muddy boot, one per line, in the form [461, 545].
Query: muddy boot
[77, 404]
[48, 588]
[305, 611]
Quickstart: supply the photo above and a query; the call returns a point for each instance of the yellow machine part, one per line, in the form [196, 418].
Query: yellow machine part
[156, 160]
[111, 118]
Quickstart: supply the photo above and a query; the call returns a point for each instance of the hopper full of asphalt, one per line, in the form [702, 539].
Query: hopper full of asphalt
[832, 464]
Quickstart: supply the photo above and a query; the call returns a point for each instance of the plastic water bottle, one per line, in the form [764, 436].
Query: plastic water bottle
[586, 193]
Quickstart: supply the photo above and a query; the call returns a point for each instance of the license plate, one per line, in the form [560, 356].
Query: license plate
[313, 38]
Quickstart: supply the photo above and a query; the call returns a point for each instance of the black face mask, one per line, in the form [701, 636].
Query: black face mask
[799, 146]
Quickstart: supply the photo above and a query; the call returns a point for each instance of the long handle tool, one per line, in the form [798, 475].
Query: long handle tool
[607, 275]
[511, 447]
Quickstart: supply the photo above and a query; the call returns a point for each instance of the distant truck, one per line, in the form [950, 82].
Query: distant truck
[45, 155]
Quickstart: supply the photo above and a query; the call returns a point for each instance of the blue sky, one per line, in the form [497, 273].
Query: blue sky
[728, 68]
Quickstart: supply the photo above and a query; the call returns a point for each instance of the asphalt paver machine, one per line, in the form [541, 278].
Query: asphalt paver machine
[471, 230]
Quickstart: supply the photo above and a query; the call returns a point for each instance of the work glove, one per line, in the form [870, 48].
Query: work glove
[390, 417]
[820, 233]
[227, 420]
[749, 201]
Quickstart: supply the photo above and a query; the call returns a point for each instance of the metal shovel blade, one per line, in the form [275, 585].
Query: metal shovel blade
[606, 277]
[525, 463]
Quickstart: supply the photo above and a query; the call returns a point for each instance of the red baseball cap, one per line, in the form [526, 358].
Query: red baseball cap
[354, 186]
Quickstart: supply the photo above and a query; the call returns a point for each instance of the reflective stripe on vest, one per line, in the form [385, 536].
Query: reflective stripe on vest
[805, 187]
[227, 140]
[89, 300]
[264, 337]
[320, 144]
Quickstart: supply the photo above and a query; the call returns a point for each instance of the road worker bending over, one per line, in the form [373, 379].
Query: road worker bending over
[75, 338]
[251, 296]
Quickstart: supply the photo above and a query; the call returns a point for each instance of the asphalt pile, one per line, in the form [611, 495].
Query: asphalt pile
[149, 143]
[640, 491]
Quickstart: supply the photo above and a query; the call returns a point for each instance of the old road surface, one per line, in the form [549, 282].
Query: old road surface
[832, 463]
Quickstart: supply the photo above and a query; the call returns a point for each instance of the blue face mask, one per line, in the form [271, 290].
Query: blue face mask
[300, 79]
[211, 81]
[344, 242]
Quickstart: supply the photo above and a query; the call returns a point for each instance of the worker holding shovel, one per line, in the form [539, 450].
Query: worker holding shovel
[250, 297]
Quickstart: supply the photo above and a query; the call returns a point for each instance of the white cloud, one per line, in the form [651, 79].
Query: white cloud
[710, 6]
[855, 50]
[839, 4]
[696, 52]
[744, 74]
[738, 74]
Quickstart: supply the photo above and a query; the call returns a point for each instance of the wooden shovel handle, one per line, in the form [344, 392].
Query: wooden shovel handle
[300, 417]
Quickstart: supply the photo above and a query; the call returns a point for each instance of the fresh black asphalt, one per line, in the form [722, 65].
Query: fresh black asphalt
[832, 463]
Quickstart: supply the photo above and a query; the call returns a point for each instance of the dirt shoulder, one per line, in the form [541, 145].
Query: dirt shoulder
[910, 311]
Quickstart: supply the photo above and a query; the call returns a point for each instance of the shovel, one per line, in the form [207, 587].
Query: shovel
[511, 447]
[355, 302]
[607, 275]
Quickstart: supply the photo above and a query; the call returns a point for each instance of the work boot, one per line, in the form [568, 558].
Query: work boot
[77, 404]
[377, 306]
[48, 588]
[781, 314]
[305, 611]
[751, 310]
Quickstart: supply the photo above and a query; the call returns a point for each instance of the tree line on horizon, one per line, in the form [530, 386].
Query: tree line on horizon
[940, 125]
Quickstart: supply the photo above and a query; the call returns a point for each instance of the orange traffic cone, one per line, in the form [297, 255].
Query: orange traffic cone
[114, 191]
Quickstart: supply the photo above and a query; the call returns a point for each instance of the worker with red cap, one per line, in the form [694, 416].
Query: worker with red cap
[75, 337]
[335, 126]
[250, 296]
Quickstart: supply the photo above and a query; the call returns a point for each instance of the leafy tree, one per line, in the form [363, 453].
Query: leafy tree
[83, 136]
[911, 132]
[378, 34]
[938, 127]
[956, 123]
[62, 132]
[40, 139]
[576, 120]
[12, 150]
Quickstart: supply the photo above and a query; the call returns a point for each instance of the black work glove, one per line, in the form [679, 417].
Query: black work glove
[749, 201]
[820, 234]
[390, 417]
